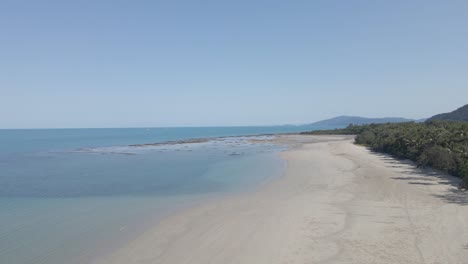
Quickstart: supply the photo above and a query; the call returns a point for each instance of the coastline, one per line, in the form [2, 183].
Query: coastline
[335, 203]
[93, 201]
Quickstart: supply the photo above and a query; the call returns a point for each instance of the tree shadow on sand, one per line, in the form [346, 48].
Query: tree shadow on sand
[427, 177]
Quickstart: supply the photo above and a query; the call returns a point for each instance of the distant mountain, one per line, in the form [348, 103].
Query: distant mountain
[357, 120]
[461, 114]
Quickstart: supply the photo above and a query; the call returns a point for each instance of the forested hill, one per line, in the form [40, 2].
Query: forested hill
[461, 114]
[342, 121]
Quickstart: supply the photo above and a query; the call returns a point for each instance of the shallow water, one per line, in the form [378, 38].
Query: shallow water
[66, 202]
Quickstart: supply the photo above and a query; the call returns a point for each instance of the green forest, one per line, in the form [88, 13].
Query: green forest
[442, 145]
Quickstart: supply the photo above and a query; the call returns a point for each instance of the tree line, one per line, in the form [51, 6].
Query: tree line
[442, 145]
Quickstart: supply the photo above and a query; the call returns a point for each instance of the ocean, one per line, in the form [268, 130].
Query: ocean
[68, 195]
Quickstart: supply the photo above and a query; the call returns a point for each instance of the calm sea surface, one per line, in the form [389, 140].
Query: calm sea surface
[67, 195]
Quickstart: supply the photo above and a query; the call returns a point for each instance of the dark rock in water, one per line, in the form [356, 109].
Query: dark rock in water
[176, 142]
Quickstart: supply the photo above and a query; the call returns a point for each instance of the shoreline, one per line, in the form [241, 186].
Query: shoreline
[328, 207]
[253, 138]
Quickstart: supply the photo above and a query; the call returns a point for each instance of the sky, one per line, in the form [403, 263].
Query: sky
[156, 63]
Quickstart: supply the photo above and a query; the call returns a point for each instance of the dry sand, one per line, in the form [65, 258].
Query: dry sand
[336, 203]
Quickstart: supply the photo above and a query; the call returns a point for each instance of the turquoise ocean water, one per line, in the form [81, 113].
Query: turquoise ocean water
[67, 195]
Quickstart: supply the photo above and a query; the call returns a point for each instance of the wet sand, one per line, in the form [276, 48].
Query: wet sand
[336, 203]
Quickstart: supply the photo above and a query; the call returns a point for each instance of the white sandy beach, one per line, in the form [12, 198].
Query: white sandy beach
[336, 203]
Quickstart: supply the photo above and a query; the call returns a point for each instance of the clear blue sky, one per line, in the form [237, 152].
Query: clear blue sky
[198, 63]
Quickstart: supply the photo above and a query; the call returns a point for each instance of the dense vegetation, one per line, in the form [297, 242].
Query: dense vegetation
[351, 129]
[442, 145]
[461, 114]
[340, 121]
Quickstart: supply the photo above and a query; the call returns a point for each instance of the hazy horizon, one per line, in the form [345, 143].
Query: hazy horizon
[87, 64]
[214, 126]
